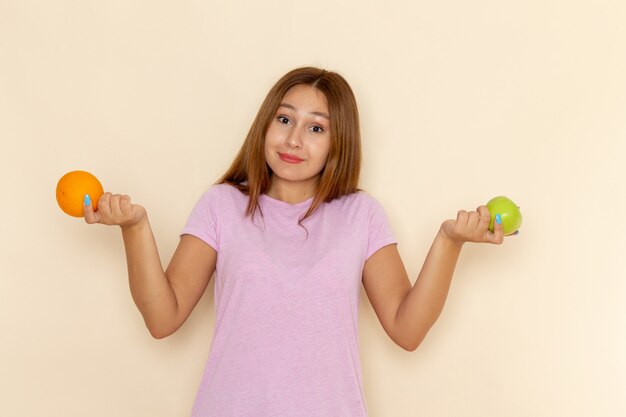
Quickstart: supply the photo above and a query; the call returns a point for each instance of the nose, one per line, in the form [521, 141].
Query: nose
[293, 140]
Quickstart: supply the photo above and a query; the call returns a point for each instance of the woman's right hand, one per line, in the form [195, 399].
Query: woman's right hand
[114, 210]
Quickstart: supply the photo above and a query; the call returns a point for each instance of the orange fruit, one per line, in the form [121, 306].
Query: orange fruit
[71, 191]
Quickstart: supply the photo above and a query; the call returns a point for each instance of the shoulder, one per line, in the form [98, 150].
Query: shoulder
[361, 199]
[366, 198]
[220, 200]
[359, 205]
[222, 189]
[222, 193]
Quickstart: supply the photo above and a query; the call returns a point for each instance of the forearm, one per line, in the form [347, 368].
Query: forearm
[149, 286]
[424, 302]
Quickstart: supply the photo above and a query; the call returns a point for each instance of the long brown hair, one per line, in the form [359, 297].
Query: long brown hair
[250, 172]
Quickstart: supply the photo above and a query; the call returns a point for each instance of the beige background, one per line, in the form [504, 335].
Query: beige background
[460, 101]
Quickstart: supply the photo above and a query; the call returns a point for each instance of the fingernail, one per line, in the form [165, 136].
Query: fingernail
[498, 219]
[87, 200]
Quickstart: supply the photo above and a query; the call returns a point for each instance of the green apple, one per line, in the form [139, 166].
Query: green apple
[508, 211]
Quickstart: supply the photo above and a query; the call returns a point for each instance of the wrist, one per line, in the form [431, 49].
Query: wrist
[448, 240]
[136, 226]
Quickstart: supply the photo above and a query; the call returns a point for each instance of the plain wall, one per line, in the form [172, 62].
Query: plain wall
[460, 101]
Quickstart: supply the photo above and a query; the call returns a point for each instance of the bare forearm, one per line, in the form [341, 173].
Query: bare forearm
[149, 285]
[423, 304]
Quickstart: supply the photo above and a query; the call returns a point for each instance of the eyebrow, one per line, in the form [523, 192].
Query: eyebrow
[317, 113]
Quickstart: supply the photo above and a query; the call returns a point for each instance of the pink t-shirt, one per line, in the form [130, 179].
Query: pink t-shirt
[286, 335]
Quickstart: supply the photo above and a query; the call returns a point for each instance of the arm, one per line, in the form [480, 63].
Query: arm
[407, 313]
[164, 298]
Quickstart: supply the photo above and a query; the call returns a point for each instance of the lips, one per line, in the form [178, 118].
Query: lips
[292, 159]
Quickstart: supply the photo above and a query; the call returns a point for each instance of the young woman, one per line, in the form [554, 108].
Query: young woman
[290, 239]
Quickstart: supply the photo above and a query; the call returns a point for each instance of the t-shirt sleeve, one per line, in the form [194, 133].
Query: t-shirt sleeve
[202, 222]
[380, 232]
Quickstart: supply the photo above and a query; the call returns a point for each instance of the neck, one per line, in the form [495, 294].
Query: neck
[290, 192]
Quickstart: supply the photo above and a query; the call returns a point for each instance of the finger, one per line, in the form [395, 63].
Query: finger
[104, 208]
[497, 237]
[485, 217]
[116, 209]
[125, 206]
[473, 220]
[89, 214]
[462, 217]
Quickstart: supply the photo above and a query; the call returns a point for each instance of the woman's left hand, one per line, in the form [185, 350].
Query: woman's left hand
[473, 226]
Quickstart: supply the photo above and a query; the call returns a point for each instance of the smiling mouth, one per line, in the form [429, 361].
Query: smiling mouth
[292, 159]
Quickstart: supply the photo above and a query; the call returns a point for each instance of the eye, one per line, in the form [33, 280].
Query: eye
[283, 119]
[317, 129]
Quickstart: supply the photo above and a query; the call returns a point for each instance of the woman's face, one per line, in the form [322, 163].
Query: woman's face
[298, 138]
